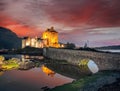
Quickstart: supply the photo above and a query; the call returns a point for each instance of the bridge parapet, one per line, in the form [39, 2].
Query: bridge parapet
[104, 61]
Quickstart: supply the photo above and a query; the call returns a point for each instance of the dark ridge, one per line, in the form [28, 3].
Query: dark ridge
[8, 39]
[109, 47]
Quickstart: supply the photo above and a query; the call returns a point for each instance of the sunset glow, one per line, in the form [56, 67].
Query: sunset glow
[76, 21]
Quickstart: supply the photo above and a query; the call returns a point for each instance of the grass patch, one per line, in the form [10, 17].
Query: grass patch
[10, 66]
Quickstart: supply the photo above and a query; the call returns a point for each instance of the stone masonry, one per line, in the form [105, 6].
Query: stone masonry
[105, 61]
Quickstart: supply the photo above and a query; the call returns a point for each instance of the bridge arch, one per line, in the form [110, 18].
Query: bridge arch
[88, 64]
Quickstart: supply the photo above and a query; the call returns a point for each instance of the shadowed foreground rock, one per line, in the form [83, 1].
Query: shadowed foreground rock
[91, 83]
[111, 87]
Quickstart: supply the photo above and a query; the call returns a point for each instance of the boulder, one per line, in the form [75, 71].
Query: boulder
[2, 58]
[25, 65]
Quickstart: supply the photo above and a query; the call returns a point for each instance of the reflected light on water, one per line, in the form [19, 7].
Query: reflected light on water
[27, 80]
[27, 57]
[1, 73]
[33, 80]
[48, 71]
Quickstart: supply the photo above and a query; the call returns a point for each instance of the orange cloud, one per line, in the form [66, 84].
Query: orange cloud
[18, 28]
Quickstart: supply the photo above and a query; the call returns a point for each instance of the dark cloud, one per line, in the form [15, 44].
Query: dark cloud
[99, 13]
[92, 12]
[2, 5]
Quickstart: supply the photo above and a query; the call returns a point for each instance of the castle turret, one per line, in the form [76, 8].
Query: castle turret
[51, 36]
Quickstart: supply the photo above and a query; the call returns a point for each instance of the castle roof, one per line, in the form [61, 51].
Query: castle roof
[26, 37]
[51, 30]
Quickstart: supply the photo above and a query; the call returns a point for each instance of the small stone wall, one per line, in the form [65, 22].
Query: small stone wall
[105, 61]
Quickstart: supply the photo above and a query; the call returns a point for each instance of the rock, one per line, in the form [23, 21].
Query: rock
[0, 67]
[15, 60]
[25, 65]
[92, 83]
[46, 88]
[100, 82]
[2, 58]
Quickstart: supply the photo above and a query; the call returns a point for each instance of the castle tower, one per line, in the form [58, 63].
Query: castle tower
[51, 37]
[25, 42]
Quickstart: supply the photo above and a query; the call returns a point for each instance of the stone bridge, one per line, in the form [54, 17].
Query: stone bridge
[104, 61]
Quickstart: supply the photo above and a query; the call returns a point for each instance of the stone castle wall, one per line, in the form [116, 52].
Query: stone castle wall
[105, 61]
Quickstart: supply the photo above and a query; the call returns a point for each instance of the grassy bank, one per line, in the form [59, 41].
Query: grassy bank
[9, 66]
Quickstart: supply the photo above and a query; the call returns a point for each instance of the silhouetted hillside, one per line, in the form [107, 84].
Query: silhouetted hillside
[8, 39]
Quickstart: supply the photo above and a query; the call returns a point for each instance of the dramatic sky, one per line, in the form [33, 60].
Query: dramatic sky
[77, 21]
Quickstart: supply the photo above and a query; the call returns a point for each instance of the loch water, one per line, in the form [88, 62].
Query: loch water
[34, 79]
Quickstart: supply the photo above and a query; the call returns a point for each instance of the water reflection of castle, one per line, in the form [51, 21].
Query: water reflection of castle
[48, 71]
[49, 39]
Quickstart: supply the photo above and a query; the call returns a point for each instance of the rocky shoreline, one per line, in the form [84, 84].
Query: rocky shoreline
[111, 87]
[102, 81]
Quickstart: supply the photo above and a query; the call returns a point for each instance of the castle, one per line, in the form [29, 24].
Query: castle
[49, 39]
[32, 42]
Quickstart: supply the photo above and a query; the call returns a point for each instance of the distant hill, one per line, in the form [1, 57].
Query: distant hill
[8, 39]
[114, 47]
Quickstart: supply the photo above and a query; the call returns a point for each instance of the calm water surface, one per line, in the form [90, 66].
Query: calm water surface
[116, 51]
[30, 80]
